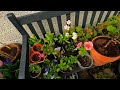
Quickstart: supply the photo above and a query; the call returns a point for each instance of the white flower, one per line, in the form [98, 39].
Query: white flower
[46, 73]
[66, 27]
[66, 34]
[52, 77]
[74, 36]
[68, 22]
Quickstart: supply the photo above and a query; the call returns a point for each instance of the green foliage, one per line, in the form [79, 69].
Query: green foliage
[67, 63]
[8, 70]
[53, 70]
[48, 49]
[33, 40]
[34, 68]
[112, 29]
[79, 29]
[82, 51]
[70, 47]
[50, 38]
[63, 39]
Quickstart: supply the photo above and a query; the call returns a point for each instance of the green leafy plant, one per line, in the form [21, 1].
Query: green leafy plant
[33, 40]
[50, 38]
[8, 70]
[63, 39]
[52, 73]
[82, 51]
[69, 47]
[48, 49]
[67, 63]
[34, 68]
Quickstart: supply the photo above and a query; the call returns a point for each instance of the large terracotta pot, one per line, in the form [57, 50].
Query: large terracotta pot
[100, 59]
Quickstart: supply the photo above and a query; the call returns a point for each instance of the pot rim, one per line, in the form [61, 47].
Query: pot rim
[82, 67]
[36, 75]
[96, 50]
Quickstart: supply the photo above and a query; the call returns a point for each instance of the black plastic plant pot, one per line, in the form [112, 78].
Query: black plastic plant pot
[35, 75]
[83, 64]
[71, 76]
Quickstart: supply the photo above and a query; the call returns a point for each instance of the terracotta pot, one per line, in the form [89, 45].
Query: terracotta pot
[100, 59]
[32, 57]
[36, 47]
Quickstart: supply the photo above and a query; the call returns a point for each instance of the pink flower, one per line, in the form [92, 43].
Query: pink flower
[1, 63]
[79, 45]
[42, 55]
[88, 45]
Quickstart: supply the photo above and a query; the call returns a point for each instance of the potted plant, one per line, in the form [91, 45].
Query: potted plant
[50, 69]
[85, 60]
[35, 43]
[103, 72]
[67, 64]
[77, 35]
[36, 57]
[34, 70]
[11, 51]
[109, 32]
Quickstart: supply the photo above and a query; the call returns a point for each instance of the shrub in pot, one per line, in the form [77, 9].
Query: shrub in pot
[34, 70]
[109, 32]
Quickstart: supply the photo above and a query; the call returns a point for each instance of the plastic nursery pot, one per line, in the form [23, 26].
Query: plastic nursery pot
[35, 58]
[35, 75]
[98, 58]
[72, 76]
[11, 51]
[36, 47]
[90, 62]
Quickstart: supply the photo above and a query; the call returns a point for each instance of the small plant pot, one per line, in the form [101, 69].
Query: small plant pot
[86, 62]
[35, 75]
[36, 47]
[100, 59]
[11, 51]
[35, 58]
[71, 76]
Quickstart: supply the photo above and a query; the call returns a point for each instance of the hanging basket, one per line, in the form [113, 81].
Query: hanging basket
[11, 51]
